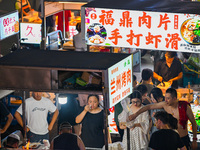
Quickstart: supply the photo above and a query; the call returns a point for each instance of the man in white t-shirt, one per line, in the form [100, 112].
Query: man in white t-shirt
[36, 109]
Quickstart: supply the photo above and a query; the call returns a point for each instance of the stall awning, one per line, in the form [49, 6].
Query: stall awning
[45, 70]
[60, 59]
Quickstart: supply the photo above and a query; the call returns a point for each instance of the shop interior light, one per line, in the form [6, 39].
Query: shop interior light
[81, 3]
[62, 100]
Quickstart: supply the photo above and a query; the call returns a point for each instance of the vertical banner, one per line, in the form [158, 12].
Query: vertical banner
[120, 79]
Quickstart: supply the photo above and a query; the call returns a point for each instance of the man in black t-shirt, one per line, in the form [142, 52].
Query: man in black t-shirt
[168, 69]
[66, 139]
[166, 138]
[4, 113]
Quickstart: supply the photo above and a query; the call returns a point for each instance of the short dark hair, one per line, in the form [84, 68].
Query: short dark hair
[172, 91]
[146, 74]
[136, 94]
[94, 96]
[11, 141]
[142, 89]
[157, 93]
[167, 118]
[65, 126]
[78, 27]
[171, 54]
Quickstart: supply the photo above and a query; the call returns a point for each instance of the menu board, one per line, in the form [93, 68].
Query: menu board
[9, 25]
[142, 29]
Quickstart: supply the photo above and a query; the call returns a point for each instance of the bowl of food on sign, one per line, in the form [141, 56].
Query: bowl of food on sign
[96, 33]
[190, 31]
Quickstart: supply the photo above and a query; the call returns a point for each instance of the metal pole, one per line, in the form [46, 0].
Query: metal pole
[105, 117]
[43, 42]
[64, 32]
[106, 104]
[128, 138]
[24, 118]
[21, 12]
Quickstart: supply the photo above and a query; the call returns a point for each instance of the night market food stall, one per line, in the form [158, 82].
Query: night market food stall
[151, 25]
[42, 70]
[65, 14]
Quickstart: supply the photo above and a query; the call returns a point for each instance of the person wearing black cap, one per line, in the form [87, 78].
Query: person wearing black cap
[66, 139]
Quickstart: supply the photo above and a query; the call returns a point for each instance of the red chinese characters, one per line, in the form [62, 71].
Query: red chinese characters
[113, 86]
[131, 36]
[173, 40]
[140, 29]
[120, 81]
[145, 19]
[175, 21]
[126, 20]
[115, 36]
[164, 20]
[124, 79]
[29, 30]
[72, 32]
[150, 38]
[106, 17]
[128, 76]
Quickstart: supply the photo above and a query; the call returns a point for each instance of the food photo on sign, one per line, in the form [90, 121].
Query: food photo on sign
[190, 31]
[96, 33]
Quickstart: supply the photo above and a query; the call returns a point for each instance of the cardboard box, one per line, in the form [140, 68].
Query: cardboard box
[90, 78]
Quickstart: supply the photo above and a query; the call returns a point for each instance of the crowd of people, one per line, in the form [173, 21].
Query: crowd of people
[146, 120]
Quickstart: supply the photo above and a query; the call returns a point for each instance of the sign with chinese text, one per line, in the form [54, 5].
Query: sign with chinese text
[120, 80]
[72, 32]
[142, 29]
[31, 32]
[111, 121]
[9, 25]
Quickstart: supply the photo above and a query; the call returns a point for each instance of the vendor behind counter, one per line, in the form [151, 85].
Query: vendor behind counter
[168, 69]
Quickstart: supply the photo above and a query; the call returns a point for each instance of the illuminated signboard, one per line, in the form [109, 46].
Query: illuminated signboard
[120, 80]
[9, 25]
[31, 32]
[142, 29]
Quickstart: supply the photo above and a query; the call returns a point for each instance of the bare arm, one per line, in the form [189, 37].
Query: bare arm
[180, 75]
[8, 122]
[80, 143]
[19, 118]
[183, 148]
[109, 136]
[156, 76]
[80, 117]
[145, 108]
[55, 115]
[194, 126]
[51, 146]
